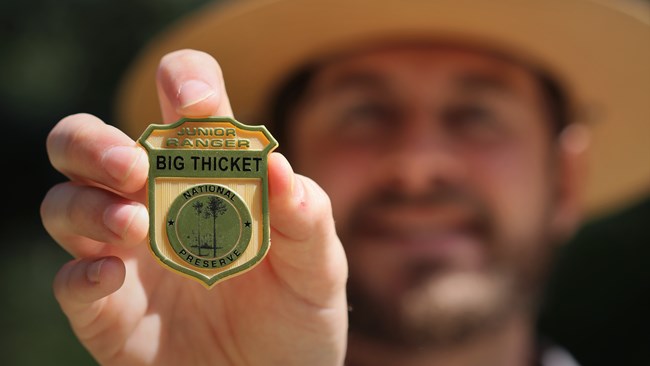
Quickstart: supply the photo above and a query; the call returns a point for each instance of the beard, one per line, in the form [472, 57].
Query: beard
[437, 300]
[439, 312]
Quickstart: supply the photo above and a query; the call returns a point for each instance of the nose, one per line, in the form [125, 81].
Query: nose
[423, 158]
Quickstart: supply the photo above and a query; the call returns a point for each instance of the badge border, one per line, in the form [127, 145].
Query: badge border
[205, 280]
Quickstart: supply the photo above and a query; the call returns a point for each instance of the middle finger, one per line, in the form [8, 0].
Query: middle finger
[86, 149]
[72, 211]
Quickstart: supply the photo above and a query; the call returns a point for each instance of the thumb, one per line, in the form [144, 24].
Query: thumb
[306, 253]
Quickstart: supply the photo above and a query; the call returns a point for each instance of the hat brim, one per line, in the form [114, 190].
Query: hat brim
[600, 52]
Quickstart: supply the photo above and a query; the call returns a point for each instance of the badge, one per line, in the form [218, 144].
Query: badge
[208, 196]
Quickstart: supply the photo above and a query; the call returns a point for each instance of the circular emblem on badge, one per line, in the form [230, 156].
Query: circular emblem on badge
[209, 226]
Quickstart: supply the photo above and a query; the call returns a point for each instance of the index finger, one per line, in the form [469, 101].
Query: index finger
[190, 84]
[86, 149]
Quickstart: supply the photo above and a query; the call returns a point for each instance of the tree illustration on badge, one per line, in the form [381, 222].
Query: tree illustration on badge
[215, 208]
[198, 208]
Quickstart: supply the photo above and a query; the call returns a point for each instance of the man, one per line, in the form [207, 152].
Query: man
[451, 165]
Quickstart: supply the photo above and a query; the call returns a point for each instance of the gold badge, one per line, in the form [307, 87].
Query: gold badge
[208, 196]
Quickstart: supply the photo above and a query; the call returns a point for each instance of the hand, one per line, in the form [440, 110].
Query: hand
[126, 309]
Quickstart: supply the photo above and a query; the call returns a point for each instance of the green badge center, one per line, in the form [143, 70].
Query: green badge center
[209, 226]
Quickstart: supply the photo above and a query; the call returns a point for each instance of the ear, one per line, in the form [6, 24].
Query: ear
[573, 144]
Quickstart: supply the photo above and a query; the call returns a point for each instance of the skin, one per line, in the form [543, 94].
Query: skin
[292, 308]
[460, 141]
[126, 309]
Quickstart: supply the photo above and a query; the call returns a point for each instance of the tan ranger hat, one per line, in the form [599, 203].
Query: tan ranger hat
[599, 49]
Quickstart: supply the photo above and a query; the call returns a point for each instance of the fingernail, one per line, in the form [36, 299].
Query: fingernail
[119, 161]
[93, 270]
[193, 92]
[119, 217]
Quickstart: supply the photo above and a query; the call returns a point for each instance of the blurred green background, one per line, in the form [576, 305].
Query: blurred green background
[59, 57]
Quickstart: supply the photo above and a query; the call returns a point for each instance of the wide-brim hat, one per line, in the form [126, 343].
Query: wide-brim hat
[599, 49]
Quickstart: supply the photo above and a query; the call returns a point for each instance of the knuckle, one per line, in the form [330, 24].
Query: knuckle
[72, 122]
[68, 135]
[55, 142]
[61, 282]
[50, 206]
[82, 207]
[74, 211]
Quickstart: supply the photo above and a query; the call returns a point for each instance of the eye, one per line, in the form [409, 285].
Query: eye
[367, 120]
[473, 121]
[368, 112]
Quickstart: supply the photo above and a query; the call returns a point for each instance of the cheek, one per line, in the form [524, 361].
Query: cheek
[516, 185]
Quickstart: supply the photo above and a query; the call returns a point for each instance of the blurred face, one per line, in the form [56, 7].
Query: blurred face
[440, 166]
